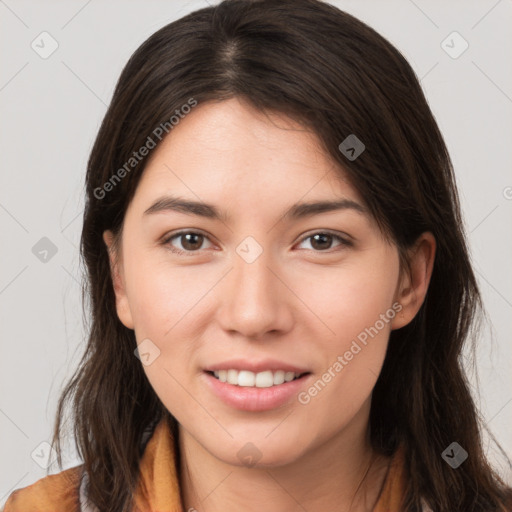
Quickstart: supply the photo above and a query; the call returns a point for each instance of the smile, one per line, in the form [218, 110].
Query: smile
[256, 392]
[264, 379]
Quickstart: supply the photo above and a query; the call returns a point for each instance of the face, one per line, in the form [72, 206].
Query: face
[253, 288]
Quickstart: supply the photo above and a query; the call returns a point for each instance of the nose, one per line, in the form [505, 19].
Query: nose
[255, 300]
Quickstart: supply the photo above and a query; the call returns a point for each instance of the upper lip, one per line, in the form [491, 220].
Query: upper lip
[255, 366]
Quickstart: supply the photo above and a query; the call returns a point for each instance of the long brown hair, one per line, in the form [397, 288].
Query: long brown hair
[337, 76]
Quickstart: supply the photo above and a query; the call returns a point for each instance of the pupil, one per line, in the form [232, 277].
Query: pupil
[324, 238]
[188, 244]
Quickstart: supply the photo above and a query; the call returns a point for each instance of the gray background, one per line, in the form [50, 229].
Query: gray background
[52, 108]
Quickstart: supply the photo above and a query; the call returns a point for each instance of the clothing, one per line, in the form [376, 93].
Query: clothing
[157, 487]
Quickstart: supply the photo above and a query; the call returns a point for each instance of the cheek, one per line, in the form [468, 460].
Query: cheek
[162, 298]
[352, 297]
[166, 302]
[355, 302]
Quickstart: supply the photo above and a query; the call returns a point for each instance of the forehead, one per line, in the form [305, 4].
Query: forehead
[234, 154]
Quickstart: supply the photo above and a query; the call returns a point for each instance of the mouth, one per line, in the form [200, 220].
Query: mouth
[255, 391]
[264, 379]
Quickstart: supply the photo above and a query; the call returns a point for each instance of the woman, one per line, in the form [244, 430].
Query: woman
[233, 362]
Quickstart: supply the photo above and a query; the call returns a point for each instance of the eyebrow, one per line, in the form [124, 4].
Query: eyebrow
[296, 211]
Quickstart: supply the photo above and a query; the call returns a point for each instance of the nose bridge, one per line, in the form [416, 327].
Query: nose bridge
[253, 301]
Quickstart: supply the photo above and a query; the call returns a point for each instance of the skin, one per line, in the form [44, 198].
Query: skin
[297, 302]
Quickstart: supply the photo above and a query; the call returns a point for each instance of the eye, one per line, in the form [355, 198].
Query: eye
[190, 241]
[322, 240]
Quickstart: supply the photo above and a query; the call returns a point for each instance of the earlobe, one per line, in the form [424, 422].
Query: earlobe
[116, 272]
[415, 280]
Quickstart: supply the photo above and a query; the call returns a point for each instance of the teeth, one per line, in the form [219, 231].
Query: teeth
[264, 379]
[232, 377]
[246, 378]
[279, 377]
[288, 376]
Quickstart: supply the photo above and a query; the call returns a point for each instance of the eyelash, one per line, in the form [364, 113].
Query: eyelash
[343, 241]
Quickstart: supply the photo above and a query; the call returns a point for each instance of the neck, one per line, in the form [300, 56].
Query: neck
[341, 474]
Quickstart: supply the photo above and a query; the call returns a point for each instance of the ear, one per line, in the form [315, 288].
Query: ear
[116, 271]
[413, 285]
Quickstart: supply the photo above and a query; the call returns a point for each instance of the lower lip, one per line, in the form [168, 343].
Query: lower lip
[252, 398]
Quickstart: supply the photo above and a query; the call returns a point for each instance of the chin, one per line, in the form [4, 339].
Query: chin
[259, 454]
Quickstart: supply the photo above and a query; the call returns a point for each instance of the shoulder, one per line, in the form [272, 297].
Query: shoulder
[52, 493]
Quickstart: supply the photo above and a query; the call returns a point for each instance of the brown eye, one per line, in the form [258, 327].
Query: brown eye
[191, 241]
[188, 242]
[322, 241]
